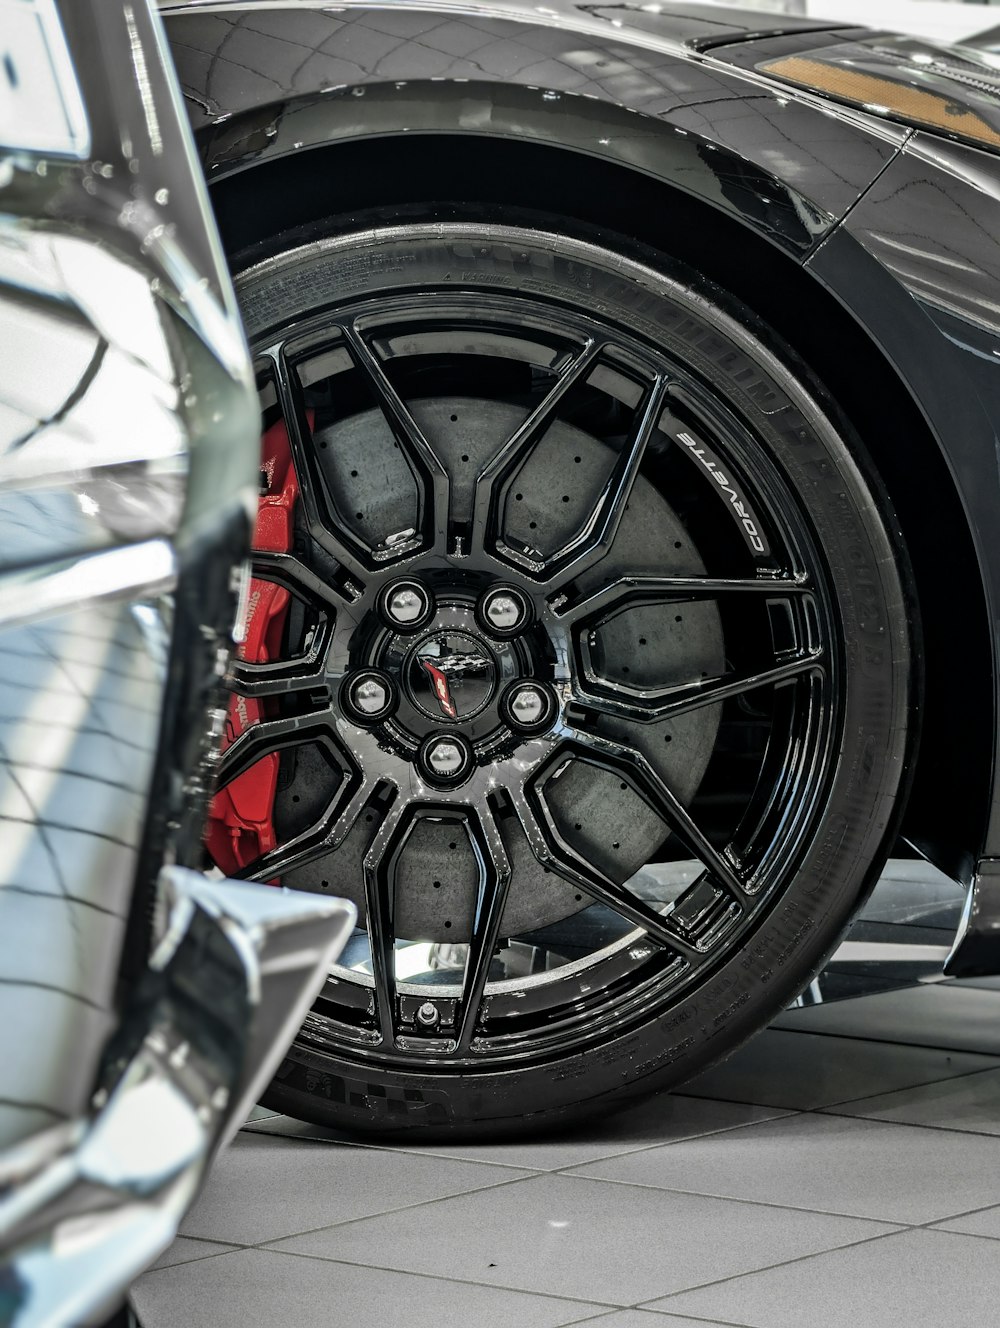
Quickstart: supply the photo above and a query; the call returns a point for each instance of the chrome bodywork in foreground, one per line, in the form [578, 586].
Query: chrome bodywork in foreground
[128, 465]
[89, 1203]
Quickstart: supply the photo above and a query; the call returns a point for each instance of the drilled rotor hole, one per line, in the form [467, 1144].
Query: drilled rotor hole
[518, 496]
[360, 515]
[578, 460]
[678, 618]
[642, 640]
[623, 785]
[532, 525]
[668, 737]
[447, 924]
[625, 668]
[616, 844]
[437, 885]
[465, 456]
[677, 544]
[325, 885]
[577, 825]
[578, 898]
[453, 844]
[368, 817]
[565, 497]
[354, 473]
[295, 797]
[323, 446]
[454, 419]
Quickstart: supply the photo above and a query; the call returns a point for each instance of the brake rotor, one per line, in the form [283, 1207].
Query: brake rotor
[641, 647]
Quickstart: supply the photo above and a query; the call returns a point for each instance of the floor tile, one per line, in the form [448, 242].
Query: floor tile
[984, 1223]
[184, 1250]
[829, 1164]
[261, 1289]
[936, 1015]
[804, 1071]
[971, 1102]
[571, 1237]
[917, 1279]
[658, 1119]
[261, 1114]
[909, 892]
[261, 1189]
[986, 984]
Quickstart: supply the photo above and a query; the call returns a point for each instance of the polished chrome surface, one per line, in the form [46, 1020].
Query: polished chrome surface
[445, 758]
[370, 696]
[128, 461]
[407, 605]
[529, 704]
[504, 610]
[86, 1204]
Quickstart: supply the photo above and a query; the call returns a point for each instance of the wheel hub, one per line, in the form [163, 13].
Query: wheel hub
[451, 676]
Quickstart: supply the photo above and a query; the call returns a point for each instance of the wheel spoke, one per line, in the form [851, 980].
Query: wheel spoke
[633, 766]
[491, 484]
[268, 737]
[651, 706]
[596, 539]
[551, 850]
[311, 482]
[298, 852]
[379, 876]
[430, 476]
[669, 589]
[494, 885]
[284, 569]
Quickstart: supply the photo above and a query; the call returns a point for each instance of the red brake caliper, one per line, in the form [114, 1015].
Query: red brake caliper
[241, 825]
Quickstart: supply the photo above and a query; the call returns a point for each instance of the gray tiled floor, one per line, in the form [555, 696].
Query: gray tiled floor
[840, 1171]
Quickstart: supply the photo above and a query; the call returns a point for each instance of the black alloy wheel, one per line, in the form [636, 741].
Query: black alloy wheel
[594, 693]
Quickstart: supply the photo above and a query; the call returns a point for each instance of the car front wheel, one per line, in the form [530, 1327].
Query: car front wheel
[582, 665]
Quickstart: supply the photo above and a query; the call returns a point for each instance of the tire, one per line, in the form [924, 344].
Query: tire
[763, 725]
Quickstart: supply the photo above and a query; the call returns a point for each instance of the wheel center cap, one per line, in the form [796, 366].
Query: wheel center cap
[451, 676]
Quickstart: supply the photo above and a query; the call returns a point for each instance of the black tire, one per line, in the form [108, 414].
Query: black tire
[809, 482]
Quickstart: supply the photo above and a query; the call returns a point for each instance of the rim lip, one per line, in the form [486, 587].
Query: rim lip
[319, 333]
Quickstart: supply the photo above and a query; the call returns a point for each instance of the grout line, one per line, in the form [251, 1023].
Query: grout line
[395, 1149]
[839, 1102]
[779, 1113]
[604, 1306]
[883, 1041]
[755, 1203]
[388, 1212]
[183, 1263]
[782, 1263]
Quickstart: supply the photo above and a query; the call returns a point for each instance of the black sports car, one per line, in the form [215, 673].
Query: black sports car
[627, 557]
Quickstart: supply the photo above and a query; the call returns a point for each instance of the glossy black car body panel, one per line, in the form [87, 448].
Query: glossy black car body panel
[822, 187]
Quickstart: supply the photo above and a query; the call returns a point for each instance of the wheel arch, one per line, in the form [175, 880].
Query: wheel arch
[949, 802]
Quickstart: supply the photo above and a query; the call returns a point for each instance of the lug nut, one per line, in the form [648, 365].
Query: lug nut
[427, 1014]
[528, 706]
[445, 760]
[504, 611]
[407, 606]
[369, 697]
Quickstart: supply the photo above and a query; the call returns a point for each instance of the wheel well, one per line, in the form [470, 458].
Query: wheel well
[256, 208]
